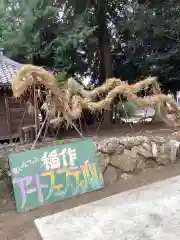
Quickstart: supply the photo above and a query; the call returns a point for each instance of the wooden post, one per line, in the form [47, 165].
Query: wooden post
[35, 110]
[40, 131]
[8, 116]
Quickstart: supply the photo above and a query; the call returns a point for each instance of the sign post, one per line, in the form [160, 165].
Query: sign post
[52, 174]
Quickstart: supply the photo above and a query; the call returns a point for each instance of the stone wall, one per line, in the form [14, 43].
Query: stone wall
[125, 156]
[119, 157]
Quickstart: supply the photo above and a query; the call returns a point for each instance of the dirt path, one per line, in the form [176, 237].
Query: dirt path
[15, 226]
[154, 129]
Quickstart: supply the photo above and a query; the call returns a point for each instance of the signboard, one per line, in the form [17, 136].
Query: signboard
[52, 174]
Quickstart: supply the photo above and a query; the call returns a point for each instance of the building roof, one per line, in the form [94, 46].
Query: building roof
[8, 68]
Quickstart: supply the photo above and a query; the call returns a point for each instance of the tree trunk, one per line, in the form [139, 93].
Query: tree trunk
[105, 65]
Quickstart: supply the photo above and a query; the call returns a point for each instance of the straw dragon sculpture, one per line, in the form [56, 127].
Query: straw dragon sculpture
[71, 99]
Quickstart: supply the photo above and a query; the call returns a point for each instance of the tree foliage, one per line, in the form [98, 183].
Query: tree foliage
[100, 38]
[44, 34]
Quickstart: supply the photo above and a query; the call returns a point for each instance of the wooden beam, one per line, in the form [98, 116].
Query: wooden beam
[8, 118]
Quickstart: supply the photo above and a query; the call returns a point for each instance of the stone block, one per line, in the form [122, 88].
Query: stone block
[110, 176]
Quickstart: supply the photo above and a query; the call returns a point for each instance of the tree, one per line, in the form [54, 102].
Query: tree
[75, 41]
[44, 37]
[100, 38]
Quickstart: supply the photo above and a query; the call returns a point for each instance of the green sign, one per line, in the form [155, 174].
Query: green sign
[52, 174]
